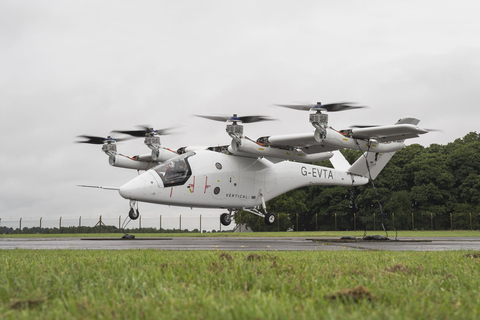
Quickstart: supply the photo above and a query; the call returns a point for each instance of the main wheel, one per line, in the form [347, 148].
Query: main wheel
[133, 214]
[270, 218]
[225, 219]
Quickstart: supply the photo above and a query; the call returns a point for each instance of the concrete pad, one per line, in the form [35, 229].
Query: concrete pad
[243, 244]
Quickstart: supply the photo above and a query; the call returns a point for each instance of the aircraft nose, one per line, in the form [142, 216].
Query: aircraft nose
[139, 188]
[133, 189]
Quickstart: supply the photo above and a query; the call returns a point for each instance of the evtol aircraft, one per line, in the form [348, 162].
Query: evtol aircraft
[247, 173]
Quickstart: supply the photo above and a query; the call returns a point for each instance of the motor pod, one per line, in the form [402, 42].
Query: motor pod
[130, 163]
[163, 154]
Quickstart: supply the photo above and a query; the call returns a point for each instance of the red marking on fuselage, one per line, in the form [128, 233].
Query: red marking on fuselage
[206, 185]
[193, 185]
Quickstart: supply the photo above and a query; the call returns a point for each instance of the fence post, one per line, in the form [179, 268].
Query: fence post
[451, 222]
[278, 223]
[40, 225]
[160, 223]
[431, 220]
[20, 225]
[316, 221]
[354, 222]
[140, 222]
[393, 218]
[335, 221]
[60, 225]
[297, 222]
[471, 226]
[200, 223]
[413, 223]
[80, 222]
[119, 220]
[180, 225]
[240, 220]
[374, 227]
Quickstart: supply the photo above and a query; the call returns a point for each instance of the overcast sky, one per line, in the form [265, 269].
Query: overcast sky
[88, 67]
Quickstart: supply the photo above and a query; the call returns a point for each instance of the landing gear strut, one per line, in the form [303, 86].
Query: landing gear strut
[270, 218]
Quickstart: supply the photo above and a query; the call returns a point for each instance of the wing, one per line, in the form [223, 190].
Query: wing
[303, 141]
[405, 128]
[357, 138]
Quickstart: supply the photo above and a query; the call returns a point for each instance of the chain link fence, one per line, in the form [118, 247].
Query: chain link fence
[110, 224]
[211, 223]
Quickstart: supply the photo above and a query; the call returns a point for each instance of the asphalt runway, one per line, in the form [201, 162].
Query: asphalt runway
[243, 244]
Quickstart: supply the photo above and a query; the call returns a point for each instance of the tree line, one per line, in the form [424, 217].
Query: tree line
[428, 185]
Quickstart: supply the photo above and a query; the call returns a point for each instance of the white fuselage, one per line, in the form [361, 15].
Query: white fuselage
[226, 181]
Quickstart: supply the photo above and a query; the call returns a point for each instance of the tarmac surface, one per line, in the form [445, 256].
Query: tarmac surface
[244, 244]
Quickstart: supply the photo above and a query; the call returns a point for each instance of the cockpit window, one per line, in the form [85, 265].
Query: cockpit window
[175, 171]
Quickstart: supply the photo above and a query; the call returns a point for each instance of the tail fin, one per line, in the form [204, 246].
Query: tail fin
[376, 163]
[339, 162]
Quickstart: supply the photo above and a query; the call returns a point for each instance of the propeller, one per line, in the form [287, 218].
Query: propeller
[235, 118]
[99, 140]
[362, 127]
[331, 107]
[145, 131]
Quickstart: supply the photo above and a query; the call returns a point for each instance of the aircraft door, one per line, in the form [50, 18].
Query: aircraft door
[246, 187]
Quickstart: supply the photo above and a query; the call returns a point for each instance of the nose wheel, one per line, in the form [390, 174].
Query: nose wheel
[133, 213]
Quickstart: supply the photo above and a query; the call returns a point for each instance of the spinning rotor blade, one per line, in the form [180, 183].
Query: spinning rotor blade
[144, 131]
[98, 140]
[245, 119]
[251, 119]
[331, 107]
[214, 118]
[362, 126]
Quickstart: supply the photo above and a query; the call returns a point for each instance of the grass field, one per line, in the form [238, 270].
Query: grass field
[151, 284]
[391, 234]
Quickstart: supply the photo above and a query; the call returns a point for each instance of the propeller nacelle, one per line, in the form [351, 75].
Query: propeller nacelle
[318, 119]
[152, 138]
[235, 130]
[109, 144]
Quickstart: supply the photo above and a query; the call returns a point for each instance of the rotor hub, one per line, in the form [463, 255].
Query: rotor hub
[320, 122]
[234, 129]
[109, 146]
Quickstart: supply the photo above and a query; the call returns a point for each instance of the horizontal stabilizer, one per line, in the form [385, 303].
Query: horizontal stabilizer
[376, 163]
[339, 162]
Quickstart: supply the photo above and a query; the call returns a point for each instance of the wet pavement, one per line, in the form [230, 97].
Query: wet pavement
[244, 244]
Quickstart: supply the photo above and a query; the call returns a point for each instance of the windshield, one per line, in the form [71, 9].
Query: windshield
[175, 171]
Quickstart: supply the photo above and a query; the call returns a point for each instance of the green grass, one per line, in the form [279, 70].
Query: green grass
[151, 284]
[391, 234]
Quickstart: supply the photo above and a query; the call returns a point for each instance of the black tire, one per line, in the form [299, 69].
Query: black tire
[270, 218]
[225, 219]
[133, 214]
